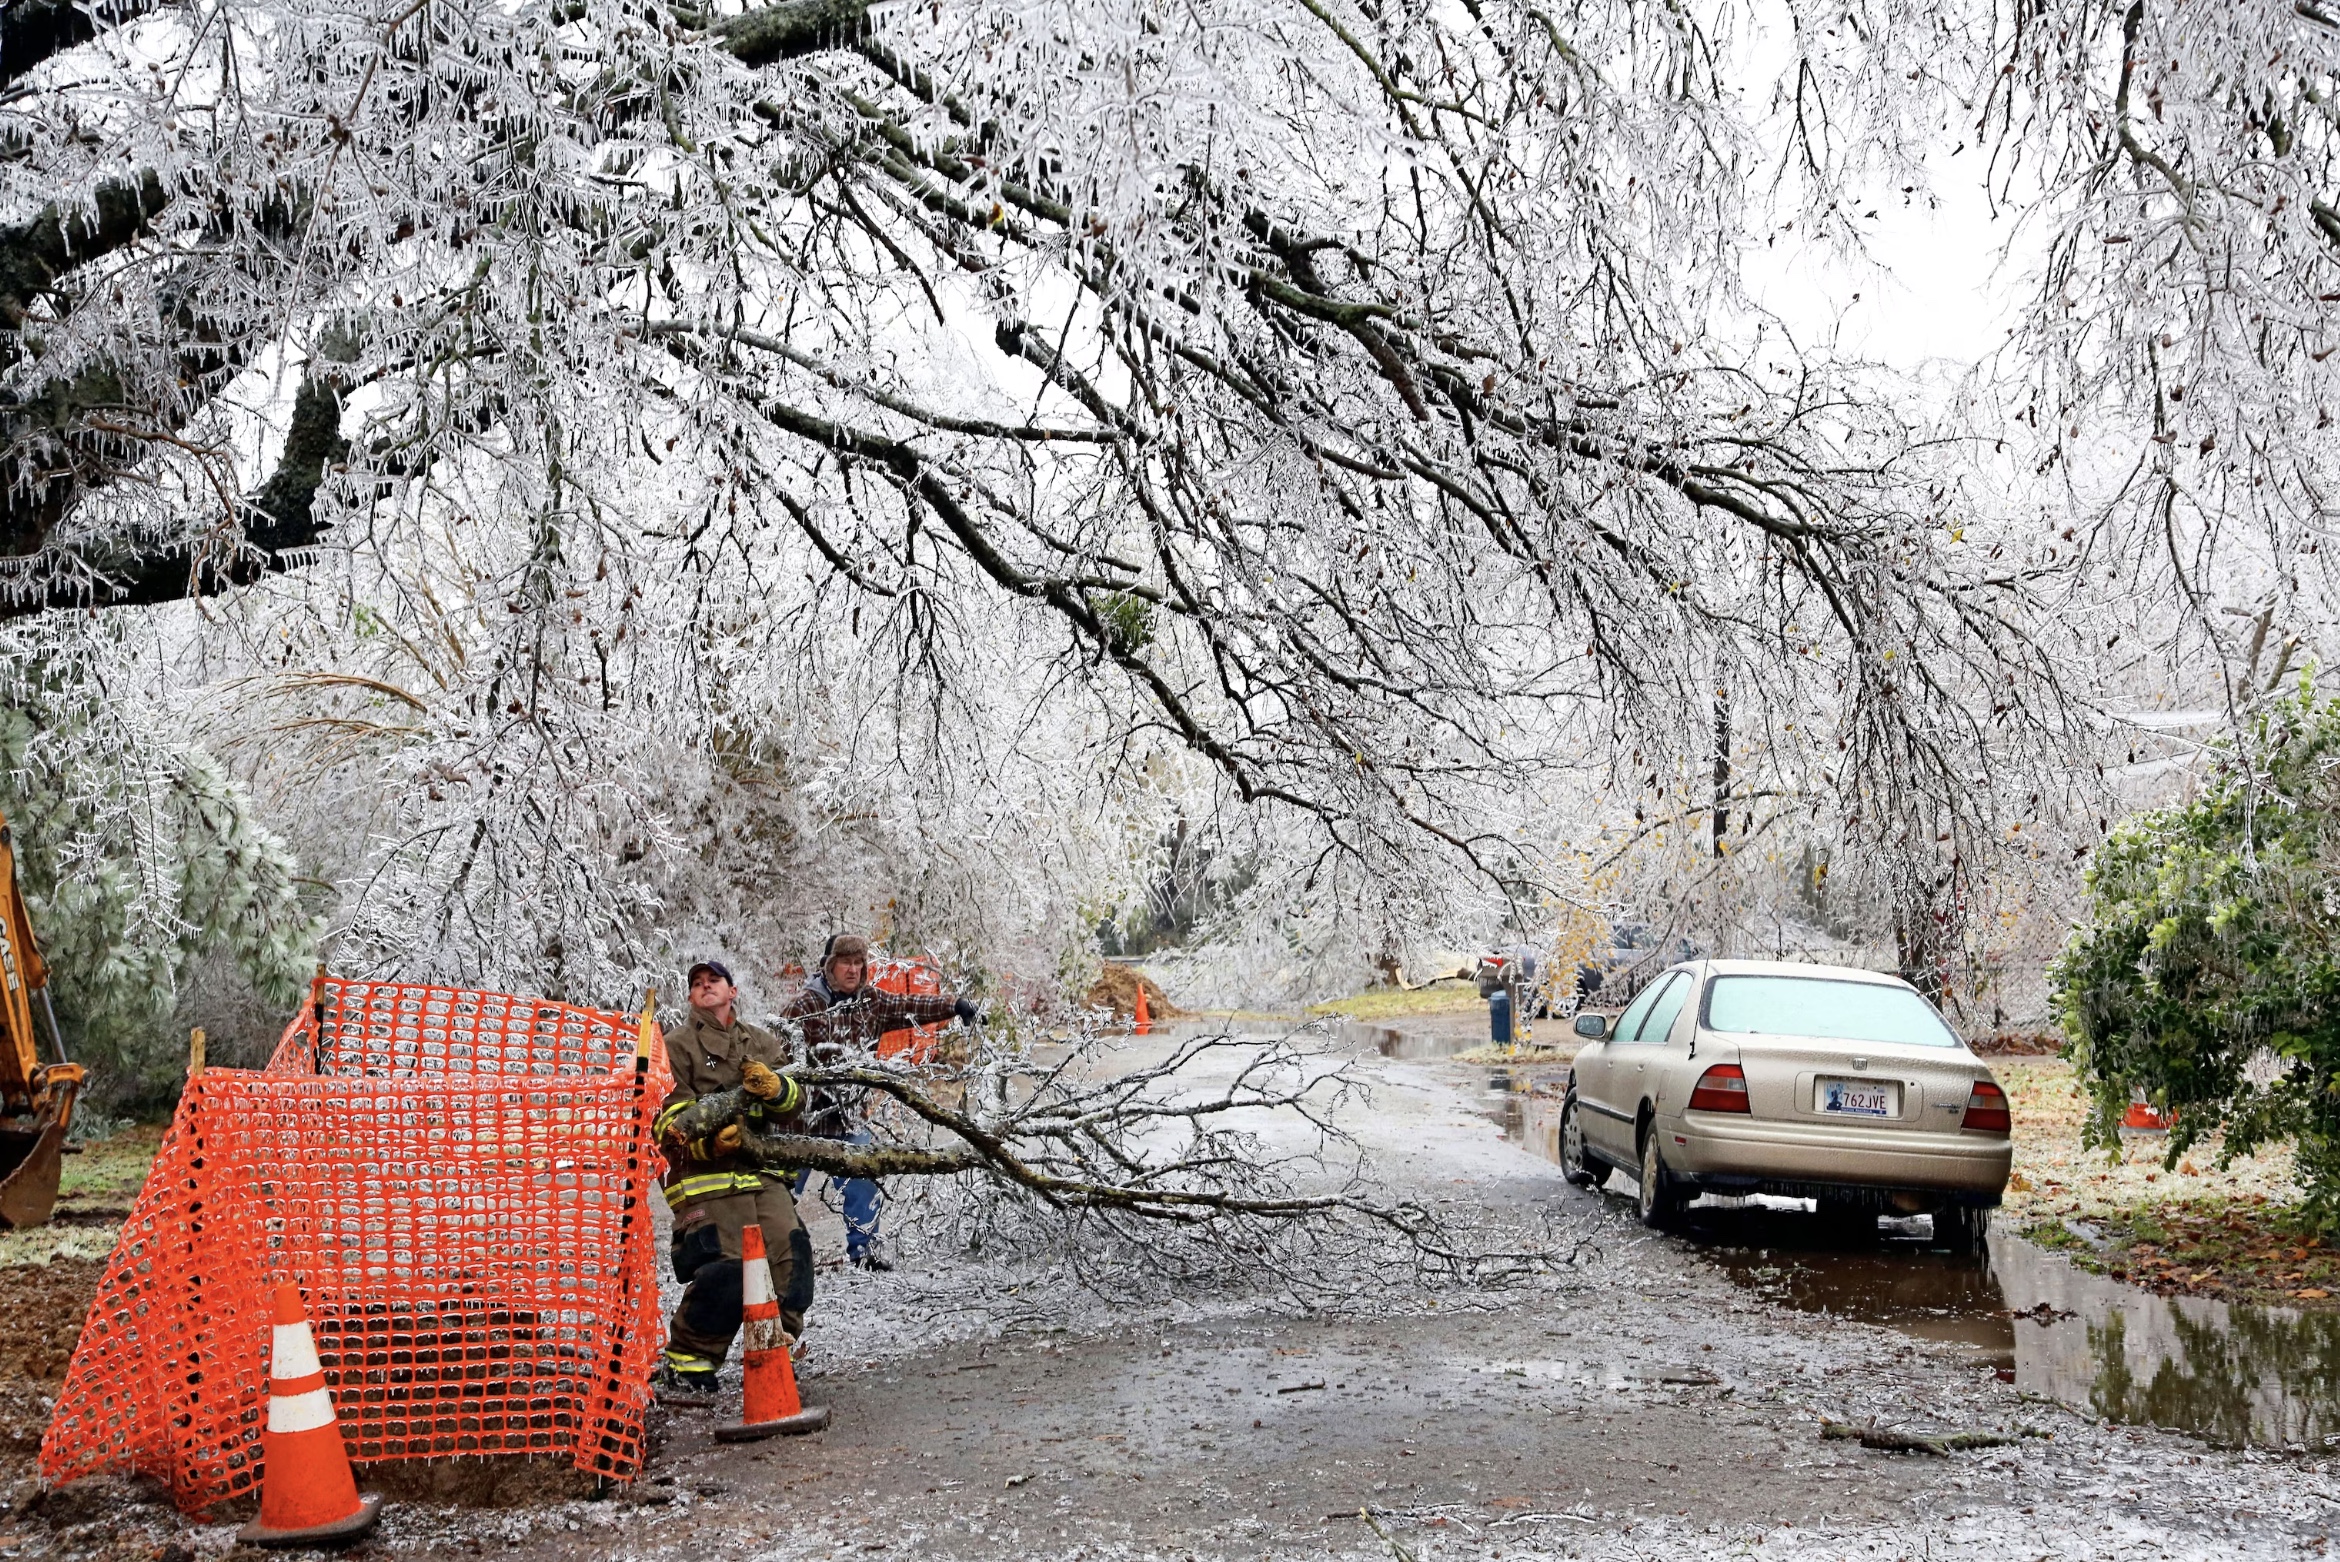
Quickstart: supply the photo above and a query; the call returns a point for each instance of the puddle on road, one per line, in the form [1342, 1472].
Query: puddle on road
[2232, 1374]
[1405, 1044]
[1932, 1296]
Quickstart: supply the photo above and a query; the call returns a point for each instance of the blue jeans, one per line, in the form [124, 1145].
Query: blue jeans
[861, 1198]
[1499, 1018]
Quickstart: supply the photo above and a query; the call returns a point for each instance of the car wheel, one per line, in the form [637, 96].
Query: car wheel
[1962, 1229]
[1661, 1200]
[1582, 1170]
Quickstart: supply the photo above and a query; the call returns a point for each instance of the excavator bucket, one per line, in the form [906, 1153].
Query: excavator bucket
[36, 1099]
[28, 1193]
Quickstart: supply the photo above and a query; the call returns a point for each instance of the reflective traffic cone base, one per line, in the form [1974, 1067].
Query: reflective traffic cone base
[338, 1532]
[769, 1406]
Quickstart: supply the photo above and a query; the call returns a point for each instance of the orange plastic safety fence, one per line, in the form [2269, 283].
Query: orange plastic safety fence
[459, 1183]
[402, 1030]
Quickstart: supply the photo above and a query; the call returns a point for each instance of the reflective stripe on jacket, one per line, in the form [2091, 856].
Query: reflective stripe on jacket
[711, 1185]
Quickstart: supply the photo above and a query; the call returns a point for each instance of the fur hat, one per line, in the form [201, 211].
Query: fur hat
[844, 946]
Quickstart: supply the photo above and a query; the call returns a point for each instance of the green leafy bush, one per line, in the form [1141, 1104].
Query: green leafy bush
[2207, 972]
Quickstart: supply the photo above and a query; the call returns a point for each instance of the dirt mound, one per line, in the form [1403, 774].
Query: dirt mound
[1117, 989]
[41, 1308]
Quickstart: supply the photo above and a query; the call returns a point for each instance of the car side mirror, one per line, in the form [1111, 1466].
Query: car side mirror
[1593, 1027]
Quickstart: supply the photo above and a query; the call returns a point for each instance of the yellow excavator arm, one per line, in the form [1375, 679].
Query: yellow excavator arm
[36, 1099]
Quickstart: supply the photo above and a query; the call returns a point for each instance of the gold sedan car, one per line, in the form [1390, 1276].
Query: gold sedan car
[1821, 1082]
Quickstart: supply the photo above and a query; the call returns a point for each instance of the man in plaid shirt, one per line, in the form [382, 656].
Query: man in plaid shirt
[843, 1016]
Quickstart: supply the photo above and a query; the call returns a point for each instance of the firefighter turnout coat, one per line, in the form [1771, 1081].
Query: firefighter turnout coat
[707, 1097]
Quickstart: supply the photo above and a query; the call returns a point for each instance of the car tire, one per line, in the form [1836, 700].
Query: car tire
[1581, 1170]
[1661, 1200]
[1963, 1229]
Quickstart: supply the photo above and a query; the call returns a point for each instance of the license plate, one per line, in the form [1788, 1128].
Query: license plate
[1859, 1098]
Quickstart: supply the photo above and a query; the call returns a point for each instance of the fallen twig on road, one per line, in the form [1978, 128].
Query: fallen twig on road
[1432, 1513]
[1403, 1555]
[1542, 1518]
[1941, 1446]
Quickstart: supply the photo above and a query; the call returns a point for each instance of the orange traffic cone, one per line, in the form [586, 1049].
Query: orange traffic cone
[2142, 1118]
[307, 1495]
[769, 1408]
[1141, 1022]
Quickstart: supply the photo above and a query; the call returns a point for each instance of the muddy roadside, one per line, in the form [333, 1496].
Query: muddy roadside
[2188, 1227]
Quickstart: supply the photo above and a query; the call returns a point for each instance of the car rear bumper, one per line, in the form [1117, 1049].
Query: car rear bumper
[1746, 1157]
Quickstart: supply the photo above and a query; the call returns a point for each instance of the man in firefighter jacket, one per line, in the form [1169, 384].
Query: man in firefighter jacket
[727, 1085]
[843, 1016]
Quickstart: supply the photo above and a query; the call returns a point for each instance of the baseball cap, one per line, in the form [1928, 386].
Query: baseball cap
[709, 968]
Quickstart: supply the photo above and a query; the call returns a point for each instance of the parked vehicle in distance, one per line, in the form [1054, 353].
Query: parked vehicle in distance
[1636, 953]
[1838, 1085]
[1616, 967]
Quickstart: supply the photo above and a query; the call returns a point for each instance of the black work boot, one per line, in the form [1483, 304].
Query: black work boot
[684, 1382]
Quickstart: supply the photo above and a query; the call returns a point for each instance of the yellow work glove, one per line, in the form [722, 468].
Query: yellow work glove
[758, 1080]
[728, 1138]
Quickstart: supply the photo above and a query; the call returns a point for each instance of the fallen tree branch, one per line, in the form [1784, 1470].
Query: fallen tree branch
[1180, 1150]
[1941, 1446]
[1073, 1159]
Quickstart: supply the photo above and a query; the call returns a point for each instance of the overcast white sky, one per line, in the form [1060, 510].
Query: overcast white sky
[1947, 300]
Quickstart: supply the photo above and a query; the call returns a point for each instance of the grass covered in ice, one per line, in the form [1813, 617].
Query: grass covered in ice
[2192, 1227]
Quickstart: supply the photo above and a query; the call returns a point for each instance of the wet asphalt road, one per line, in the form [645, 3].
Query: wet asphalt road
[1649, 1403]
[1223, 1442]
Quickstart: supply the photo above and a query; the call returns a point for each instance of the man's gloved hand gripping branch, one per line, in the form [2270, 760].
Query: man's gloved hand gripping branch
[716, 1124]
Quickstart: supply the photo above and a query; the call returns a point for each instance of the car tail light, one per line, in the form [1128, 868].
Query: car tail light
[1722, 1088]
[1986, 1109]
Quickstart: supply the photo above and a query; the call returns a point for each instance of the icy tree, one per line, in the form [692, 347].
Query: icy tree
[1351, 408]
[2183, 164]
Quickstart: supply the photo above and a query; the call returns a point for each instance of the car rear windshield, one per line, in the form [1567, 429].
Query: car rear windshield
[1825, 1010]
